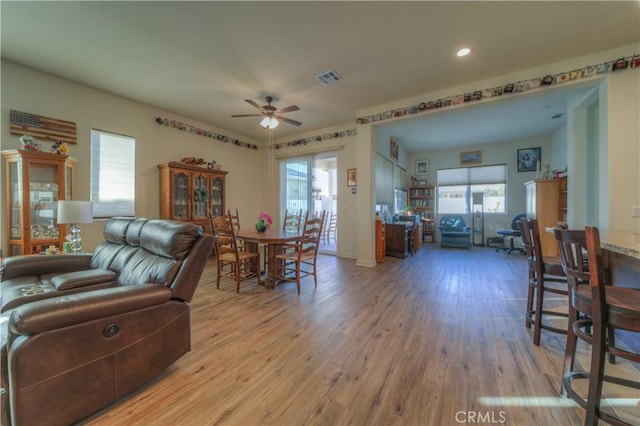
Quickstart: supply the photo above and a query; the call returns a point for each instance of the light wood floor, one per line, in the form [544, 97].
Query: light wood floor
[436, 339]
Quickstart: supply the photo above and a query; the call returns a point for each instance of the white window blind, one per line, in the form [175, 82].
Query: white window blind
[384, 181]
[473, 175]
[399, 177]
[456, 186]
[112, 174]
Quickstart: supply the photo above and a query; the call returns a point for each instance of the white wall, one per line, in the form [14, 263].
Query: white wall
[502, 153]
[27, 90]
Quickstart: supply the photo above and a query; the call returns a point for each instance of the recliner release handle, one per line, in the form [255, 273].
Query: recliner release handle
[111, 330]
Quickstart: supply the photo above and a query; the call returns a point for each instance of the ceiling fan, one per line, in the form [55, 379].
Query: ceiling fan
[271, 114]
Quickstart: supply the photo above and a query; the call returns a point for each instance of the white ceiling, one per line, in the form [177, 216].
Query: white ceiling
[201, 59]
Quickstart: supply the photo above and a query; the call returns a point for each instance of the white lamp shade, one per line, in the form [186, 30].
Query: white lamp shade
[75, 211]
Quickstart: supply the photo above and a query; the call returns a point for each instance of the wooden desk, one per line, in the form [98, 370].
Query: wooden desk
[397, 236]
[273, 238]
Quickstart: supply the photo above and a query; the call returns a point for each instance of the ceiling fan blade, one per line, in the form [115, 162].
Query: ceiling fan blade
[288, 120]
[249, 101]
[288, 109]
[247, 115]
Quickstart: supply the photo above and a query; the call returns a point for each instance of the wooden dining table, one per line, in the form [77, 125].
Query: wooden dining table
[274, 239]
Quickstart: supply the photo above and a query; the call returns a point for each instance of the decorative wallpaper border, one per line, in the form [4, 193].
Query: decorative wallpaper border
[517, 87]
[318, 138]
[178, 125]
[184, 127]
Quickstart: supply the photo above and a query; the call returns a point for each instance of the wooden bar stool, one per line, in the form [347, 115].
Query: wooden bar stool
[611, 308]
[545, 276]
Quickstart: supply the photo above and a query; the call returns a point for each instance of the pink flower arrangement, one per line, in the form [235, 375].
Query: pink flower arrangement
[264, 219]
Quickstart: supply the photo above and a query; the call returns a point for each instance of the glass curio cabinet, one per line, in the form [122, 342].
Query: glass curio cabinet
[190, 193]
[35, 182]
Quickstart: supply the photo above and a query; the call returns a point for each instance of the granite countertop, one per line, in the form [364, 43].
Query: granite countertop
[625, 243]
[621, 242]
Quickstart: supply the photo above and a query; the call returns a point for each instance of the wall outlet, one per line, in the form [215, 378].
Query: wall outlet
[635, 211]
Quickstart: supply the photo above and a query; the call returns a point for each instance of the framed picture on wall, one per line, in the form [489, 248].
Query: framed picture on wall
[394, 149]
[352, 177]
[422, 167]
[528, 159]
[470, 158]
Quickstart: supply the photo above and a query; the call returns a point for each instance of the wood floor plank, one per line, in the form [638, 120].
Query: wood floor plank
[434, 339]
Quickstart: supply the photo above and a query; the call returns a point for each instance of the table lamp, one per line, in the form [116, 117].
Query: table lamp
[73, 213]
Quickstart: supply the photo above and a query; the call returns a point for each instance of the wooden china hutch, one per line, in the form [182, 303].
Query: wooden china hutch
[35, 182]
[189, 192]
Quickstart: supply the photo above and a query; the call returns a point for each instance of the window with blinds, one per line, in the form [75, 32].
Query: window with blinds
[455, 187]
[112, 174]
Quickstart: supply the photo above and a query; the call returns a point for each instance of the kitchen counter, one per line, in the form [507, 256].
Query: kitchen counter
[624, 243]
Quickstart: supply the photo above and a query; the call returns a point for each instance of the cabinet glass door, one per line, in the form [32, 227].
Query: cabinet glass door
[180, 206]
[15, 212]
[217, 197]
[200, 196]
[43, 194]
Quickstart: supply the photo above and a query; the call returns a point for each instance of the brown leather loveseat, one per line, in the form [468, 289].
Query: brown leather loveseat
[81, 331]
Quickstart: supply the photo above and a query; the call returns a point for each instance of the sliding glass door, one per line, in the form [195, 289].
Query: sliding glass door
[310, 183]
[295, 184]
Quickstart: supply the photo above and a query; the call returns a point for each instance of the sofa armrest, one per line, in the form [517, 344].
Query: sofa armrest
[63, 311]
[79, 279]
[17, 266]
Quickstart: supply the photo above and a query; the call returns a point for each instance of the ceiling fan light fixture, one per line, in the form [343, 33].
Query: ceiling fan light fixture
[269, 122]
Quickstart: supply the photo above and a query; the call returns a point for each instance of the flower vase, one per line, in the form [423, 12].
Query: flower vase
[261, 227]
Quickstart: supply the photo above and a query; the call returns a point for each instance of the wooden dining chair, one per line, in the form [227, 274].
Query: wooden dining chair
[299, 259]
[612, 308]
[291, 222]
[331, 228]
[545, 276]
[243, 265]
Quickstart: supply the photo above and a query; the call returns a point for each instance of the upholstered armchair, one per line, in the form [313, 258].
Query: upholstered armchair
[454, 232]
[81, 331]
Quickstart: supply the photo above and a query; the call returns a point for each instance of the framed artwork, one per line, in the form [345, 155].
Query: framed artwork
[470, 158]
[352, 177]
[528, 159]
[422, 182]
[422, 167]
[394, 149]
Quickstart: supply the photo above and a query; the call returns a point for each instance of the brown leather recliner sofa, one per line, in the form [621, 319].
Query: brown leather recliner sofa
[81, 331]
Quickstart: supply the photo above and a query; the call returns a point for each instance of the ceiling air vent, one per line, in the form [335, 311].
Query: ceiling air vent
[329, 77]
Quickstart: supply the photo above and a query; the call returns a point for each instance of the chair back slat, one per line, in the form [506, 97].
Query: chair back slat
[530, 232]
[596, 278]
[292, 221]
[573, 251]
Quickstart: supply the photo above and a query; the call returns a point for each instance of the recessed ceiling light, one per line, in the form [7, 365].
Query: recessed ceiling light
[463, 52]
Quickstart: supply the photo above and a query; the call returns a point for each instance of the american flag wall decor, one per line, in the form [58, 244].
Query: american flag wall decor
[24, 123]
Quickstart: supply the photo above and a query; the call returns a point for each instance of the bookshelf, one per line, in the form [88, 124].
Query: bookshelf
[422, 200]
